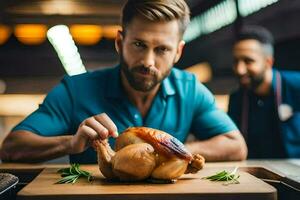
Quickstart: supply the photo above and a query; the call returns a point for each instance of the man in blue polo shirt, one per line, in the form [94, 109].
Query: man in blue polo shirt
[143, 90]
[266, 106]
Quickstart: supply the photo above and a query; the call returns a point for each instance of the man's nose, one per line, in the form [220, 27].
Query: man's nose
[240, 68]
[149, 59]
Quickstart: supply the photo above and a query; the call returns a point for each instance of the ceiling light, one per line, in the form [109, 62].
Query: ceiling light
[61, 39]
[211, 20]
[31, 34]
[5, 33]
[221, 15]
[247, 7]
[59, 7]
[86, 34]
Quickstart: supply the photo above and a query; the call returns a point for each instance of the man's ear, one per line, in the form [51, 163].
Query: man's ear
[118, 41]
[179, 50]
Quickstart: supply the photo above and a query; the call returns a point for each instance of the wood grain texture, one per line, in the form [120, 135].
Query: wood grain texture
[188, 187]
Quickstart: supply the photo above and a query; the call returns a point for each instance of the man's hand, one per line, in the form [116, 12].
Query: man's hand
[95, 127]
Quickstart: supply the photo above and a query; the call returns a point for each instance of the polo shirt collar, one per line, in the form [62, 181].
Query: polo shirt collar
[167, 87]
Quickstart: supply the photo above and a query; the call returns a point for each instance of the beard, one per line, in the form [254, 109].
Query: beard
[142, 78]
[255, 81]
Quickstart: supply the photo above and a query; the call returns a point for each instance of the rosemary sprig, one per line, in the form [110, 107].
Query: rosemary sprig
[229, 177]
[72, 173]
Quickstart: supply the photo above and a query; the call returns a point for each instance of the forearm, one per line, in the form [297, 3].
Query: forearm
[24, 146]
[227, 147]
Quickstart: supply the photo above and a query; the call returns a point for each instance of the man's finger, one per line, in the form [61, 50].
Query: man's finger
[98, 127]
[89, 132]
[108, 124]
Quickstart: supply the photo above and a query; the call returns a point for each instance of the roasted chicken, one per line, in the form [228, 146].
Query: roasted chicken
[142, 153]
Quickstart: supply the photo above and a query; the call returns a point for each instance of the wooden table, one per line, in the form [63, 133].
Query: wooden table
[42, 179]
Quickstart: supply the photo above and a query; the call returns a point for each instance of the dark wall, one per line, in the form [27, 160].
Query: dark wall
[287, 54]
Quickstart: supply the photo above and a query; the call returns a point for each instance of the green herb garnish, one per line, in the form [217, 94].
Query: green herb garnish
[71, 174]
[229, 177]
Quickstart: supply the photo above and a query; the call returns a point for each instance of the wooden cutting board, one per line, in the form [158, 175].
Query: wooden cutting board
[188, 187]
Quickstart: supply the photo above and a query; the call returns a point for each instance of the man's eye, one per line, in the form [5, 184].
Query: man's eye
[248, 61]
[138, 44]
[162, 49]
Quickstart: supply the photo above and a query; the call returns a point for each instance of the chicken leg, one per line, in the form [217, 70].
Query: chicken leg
[196, 164]
[105, 154]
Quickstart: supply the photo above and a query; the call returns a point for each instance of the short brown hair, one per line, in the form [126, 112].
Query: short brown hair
[157, 10]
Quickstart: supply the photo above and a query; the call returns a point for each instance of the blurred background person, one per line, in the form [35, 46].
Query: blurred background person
[266, 105]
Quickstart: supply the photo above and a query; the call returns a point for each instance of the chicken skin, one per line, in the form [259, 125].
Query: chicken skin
[142, 153]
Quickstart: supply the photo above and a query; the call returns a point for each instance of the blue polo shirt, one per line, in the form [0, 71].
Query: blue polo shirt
[182, 105]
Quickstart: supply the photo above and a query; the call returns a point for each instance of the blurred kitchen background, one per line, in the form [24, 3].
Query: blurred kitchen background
[42, 40]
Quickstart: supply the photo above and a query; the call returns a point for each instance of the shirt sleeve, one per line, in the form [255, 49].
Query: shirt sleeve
[53, 117]
[208, 120]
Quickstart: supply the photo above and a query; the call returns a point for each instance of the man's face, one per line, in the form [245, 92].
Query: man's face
[250, 63]
[148, 51]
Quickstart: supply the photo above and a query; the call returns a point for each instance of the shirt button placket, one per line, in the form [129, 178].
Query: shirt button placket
[137, 119]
